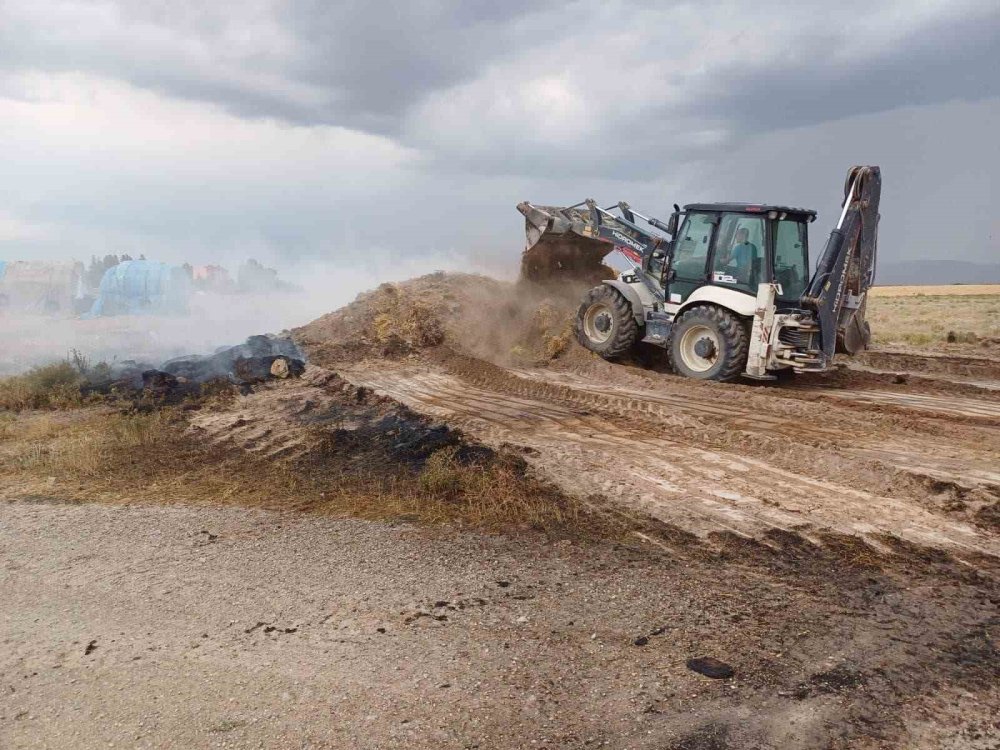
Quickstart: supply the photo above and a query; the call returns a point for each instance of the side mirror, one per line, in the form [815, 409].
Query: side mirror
[672, 223]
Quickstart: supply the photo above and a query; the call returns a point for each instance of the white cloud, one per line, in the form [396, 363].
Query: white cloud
[79, 116]
[103, 163]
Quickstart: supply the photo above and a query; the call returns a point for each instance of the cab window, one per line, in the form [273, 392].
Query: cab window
[791, 258]
[691, 252]
[739, 252]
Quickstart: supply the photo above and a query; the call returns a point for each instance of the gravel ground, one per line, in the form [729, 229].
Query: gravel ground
[193, 627]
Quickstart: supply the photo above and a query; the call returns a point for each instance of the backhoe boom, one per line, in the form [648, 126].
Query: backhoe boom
[846, 269]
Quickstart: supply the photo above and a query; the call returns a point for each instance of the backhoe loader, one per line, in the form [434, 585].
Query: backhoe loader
[724, 287]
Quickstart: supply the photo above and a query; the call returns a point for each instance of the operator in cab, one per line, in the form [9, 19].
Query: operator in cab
[737, 261]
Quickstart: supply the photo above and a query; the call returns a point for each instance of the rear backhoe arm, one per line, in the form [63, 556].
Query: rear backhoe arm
[846, 270]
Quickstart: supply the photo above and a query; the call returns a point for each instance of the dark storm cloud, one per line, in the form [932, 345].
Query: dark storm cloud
[192, 126]
[707, 72]
[379, 61]
[357, 64]
[667, 86]
[952, 59]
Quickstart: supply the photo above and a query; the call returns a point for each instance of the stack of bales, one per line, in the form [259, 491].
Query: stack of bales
[137, 287]
[41, 287]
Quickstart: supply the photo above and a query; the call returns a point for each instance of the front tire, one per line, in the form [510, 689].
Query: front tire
[708, 343]
[605, 323]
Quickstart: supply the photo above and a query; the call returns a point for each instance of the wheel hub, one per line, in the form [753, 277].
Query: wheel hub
[700, 348]
[599, 323]
[705, 348]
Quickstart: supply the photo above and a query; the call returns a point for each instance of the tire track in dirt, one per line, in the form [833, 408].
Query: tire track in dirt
[963, 366]
[594, 449]
[968, 463]
[962, 383]
[989, 411]
[973, 463]
[265, 422]
[667, 404]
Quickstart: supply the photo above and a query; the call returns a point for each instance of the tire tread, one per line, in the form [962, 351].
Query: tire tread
[626, 329]
[730, 328]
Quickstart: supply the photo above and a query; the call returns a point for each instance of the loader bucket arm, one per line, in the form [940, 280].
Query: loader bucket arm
[572, 243]
[846, 270]
[562, 242]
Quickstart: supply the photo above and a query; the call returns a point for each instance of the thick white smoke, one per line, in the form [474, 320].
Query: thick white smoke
[213, 320]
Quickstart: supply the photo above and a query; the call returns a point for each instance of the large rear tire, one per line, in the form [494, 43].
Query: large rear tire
[605, 323]
[708, 343]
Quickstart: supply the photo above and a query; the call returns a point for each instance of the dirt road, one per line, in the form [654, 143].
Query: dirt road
[871, 462]
[194, 627]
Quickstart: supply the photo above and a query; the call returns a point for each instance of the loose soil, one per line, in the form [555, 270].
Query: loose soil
[868, 454]
[189, 627]
[832, 541]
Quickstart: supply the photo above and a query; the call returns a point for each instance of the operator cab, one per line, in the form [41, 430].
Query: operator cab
[739, 246]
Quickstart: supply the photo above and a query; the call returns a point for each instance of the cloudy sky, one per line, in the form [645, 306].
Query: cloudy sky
[400, 135]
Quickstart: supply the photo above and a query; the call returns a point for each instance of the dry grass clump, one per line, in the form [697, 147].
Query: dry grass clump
[83, 446]
[59, 385]
[497, 493]
[55, 386]
[100, 454]
[491, 492]
[96, 454]
[551, 330]
[404, 321]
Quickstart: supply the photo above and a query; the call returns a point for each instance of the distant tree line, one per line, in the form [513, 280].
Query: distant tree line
[97, 267]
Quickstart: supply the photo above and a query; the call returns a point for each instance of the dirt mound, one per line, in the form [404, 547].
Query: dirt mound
[396, 319]
[504, 322]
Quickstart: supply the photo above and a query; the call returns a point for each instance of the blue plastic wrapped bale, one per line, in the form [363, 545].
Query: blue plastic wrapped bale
[143, 287]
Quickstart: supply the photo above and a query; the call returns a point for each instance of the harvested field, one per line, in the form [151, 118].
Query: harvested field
[954, 319]
[932, 290]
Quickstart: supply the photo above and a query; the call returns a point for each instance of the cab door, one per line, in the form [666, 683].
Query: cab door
[739, 258]
[691, 253]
